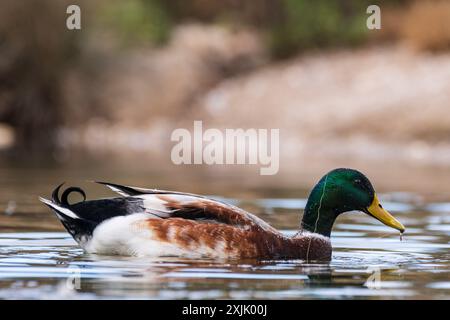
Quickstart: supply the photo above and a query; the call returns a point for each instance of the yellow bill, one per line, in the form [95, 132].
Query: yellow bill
[378, 212]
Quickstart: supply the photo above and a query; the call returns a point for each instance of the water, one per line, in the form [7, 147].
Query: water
[39, 260]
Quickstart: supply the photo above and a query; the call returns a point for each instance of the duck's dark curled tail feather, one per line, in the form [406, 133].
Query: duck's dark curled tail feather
[65, 195]
[55, 196]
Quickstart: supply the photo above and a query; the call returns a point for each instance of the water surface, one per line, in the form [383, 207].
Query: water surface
[38, 260]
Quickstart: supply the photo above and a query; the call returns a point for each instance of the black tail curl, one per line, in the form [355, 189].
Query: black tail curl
[65, 195]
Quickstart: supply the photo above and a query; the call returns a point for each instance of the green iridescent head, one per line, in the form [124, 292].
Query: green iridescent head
[339, 191]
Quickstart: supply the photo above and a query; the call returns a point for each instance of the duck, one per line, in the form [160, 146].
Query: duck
[157, 223]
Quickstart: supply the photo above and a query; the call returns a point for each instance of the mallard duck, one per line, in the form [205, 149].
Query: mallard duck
[151, 222]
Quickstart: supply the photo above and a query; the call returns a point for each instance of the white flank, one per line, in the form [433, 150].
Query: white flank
[125, 235]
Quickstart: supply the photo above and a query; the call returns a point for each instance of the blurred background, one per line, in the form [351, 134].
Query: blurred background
[101, 102]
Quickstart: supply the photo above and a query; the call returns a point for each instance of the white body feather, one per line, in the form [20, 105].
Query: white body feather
[124, 236]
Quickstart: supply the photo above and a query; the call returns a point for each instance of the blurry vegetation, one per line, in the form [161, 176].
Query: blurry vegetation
[38, 54]
[34, 59]
[316, 24]
[135, 22]
[289, 25]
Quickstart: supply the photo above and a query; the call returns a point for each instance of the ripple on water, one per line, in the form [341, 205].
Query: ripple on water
[442, 285]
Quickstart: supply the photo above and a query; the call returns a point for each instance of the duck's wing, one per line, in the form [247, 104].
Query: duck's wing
[171, 204]
[135, 191]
